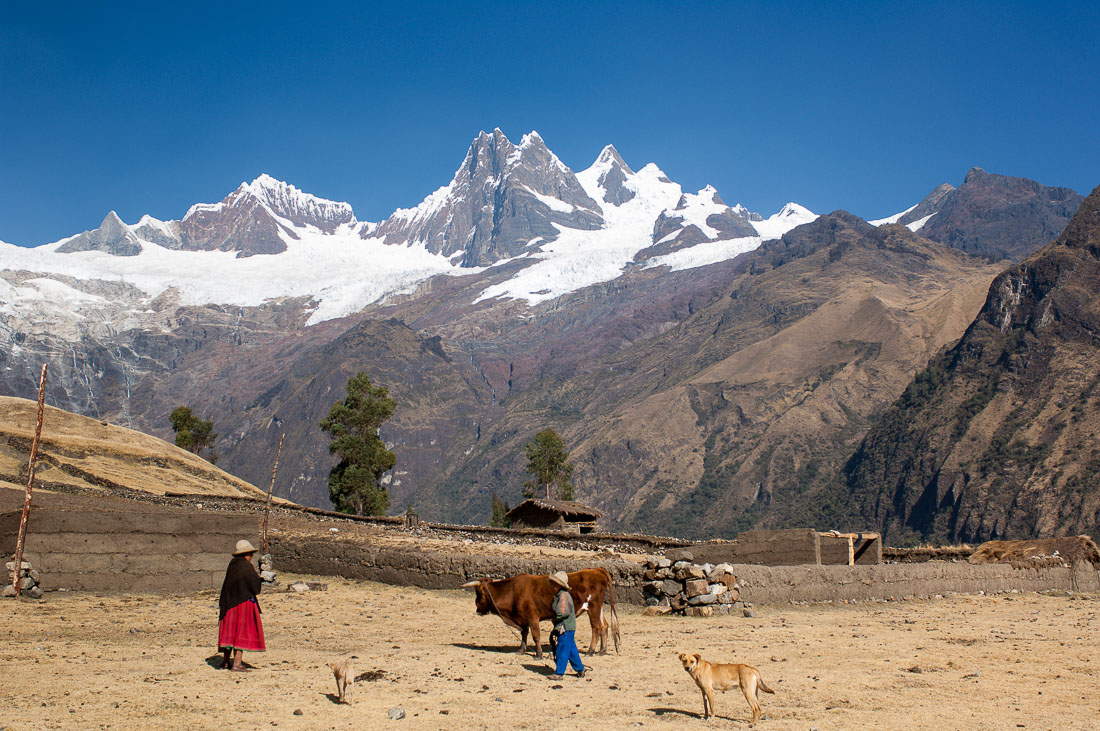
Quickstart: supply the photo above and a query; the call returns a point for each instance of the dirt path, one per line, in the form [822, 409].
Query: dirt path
[83, 661]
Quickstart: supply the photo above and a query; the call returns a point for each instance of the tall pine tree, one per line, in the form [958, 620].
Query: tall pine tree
[355, 482]
[548, 462]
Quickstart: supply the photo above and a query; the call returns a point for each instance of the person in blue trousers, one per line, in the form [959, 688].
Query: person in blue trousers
[565, 626]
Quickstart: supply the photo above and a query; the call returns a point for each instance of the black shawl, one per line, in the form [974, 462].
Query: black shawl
[241, 584]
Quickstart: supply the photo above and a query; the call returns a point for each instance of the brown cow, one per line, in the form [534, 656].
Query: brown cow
[523, 601]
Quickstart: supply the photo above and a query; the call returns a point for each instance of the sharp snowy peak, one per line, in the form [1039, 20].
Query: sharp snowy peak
[259, 217]
[120, 276]
[113, 237]
[607, 177]
[300, 209]
[579, 258]
[502, 200]
[914, 217]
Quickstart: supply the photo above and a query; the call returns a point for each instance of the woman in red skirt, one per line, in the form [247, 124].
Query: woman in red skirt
[239, 626]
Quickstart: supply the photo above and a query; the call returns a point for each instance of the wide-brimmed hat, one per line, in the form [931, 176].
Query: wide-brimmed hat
[560, 578]
[244, 547]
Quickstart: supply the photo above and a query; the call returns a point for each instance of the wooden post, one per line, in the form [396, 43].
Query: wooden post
[271, 488]
[15, 574]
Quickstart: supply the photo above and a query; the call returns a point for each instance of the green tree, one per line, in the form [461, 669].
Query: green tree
[355, 482]
[192, 433]
[548, 462]
[500, 517]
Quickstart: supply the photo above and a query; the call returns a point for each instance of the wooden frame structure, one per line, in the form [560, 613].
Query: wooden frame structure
[858, 543]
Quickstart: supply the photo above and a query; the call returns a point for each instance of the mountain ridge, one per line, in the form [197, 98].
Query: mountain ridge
[994, 438]
[991, 215]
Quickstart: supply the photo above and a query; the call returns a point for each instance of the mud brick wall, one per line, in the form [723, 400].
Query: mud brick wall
[766, 547]
[432, 569]
[780, 585]
[131, 551]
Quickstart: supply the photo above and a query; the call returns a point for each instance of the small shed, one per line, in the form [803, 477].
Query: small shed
[567, 516]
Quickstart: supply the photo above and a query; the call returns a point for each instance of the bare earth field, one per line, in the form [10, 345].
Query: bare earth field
[132, 661]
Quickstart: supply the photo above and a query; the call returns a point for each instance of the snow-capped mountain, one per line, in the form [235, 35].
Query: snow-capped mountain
[267, 240]
[113, 237]
[502, 198]
[256, 218]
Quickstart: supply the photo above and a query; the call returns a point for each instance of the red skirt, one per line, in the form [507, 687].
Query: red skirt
[241, 629]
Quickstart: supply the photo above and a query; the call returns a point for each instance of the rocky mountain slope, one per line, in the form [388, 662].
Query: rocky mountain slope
[993, 216]
[996, 438]
[762, 379]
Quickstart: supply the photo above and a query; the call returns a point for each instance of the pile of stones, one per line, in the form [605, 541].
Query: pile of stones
[28, 581]
[682, 587]
[267, 574]
[301, 586]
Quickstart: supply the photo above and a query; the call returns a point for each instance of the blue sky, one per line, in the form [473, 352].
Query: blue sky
[861, 106]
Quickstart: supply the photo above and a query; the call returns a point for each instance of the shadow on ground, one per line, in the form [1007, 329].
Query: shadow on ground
[215, 661]
[514, 649]
[674, 712]
[538, 669]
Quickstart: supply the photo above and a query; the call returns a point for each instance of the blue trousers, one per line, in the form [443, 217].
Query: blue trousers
[567, 654]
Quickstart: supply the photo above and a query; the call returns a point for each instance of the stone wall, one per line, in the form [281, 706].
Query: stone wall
[135, 551]
[757, 584]
[433, 569]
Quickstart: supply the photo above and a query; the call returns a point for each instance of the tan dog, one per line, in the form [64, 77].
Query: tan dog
[345, 677]
[711, 675]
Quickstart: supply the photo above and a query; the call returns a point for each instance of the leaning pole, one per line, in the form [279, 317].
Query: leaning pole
[15, 574]
[271, 488]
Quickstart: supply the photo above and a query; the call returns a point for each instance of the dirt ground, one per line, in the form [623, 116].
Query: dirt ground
[981, 662]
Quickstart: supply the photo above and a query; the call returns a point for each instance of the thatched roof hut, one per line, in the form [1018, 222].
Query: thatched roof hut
[560, 515]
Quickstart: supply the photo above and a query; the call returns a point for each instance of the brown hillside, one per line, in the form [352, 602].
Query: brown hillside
[816, 345]
[997, 437]
[732, 414]
[78, 452]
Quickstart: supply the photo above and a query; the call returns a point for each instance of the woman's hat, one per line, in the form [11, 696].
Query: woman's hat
[560, 578]
[244, 547]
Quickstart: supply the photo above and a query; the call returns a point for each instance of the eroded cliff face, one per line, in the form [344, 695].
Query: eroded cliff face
[996, 438]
